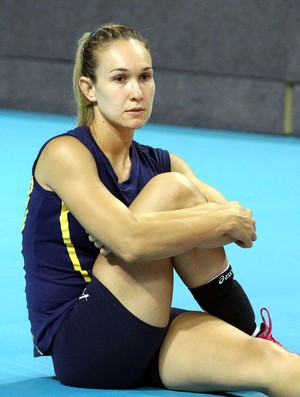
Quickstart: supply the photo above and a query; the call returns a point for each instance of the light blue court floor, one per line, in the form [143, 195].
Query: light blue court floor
[262, 172]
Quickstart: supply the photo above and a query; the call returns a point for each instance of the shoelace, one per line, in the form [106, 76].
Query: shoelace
[268, 326]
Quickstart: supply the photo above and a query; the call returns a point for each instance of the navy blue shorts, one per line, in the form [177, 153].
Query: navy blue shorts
[102, 345]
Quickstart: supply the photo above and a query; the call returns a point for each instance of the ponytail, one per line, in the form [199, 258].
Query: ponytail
[85, 111]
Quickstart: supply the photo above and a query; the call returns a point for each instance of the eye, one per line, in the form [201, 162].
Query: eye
[146, 76]
[120, 79]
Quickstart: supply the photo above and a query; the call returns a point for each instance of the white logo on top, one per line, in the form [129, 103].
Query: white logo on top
[84, 295]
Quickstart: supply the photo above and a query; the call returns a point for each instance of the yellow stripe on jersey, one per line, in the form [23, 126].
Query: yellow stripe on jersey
[27, 201]
[37, 349]
[64, 225]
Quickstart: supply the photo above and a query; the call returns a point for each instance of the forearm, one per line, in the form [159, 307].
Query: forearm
[160, 235]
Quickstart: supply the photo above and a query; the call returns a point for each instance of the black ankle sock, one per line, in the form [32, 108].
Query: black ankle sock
[224, 298]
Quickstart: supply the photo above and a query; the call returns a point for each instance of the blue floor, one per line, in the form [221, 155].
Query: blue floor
[262, 172]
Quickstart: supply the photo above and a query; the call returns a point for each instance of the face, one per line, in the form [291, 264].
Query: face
[124, 87]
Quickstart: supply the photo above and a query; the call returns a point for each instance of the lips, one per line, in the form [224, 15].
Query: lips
[135, 110]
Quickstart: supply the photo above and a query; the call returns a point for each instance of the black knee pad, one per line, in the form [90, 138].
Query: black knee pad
[224, 298]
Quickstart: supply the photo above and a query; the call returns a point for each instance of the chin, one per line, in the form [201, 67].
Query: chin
[136, 124]
[139, 125]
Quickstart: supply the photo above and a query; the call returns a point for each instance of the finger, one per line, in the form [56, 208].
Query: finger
[105, 251]
[98, 244]
[244, 244]
[248, 244]
[92, 238]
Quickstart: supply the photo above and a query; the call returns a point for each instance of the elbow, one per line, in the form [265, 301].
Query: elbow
[130, 254]
[129, 257]
[131, 244]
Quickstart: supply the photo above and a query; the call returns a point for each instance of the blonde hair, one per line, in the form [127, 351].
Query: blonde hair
[87, 61]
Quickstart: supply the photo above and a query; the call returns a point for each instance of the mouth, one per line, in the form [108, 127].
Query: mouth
[135, 110]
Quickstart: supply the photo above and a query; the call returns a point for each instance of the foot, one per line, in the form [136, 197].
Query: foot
[266, 328]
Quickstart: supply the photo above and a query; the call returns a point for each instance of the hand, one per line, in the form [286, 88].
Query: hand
[243, 229]
[98, 244]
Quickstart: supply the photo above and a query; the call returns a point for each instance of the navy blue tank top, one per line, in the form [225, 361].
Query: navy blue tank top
[58, 256]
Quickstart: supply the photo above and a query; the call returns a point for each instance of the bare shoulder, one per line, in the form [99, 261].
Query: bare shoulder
[63, 157]
[64, 148]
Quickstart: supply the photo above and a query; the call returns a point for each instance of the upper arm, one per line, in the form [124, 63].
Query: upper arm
[179, 165]
[68, 168]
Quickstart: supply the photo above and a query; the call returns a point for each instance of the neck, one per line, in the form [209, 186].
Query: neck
[111, 139]
[115, 144]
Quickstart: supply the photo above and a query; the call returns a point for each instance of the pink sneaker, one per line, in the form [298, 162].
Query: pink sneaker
[266, 328]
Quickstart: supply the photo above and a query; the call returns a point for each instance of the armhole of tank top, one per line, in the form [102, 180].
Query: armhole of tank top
[36, 184]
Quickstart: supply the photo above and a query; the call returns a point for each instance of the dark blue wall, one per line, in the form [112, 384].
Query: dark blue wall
[219, 64]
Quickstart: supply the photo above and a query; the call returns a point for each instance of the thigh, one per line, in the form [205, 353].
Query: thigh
[201, 353]
[145, 289]
[103, 345]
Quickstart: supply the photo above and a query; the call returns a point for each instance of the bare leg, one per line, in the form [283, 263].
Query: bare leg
[202, 353]
[197, 266]
[146, 289]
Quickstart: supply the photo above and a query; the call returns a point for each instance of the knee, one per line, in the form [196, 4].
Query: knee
[177, 189]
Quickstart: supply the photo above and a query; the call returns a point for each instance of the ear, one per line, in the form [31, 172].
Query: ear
[86, 86]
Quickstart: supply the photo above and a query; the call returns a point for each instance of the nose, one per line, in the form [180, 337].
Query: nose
[136, 93]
